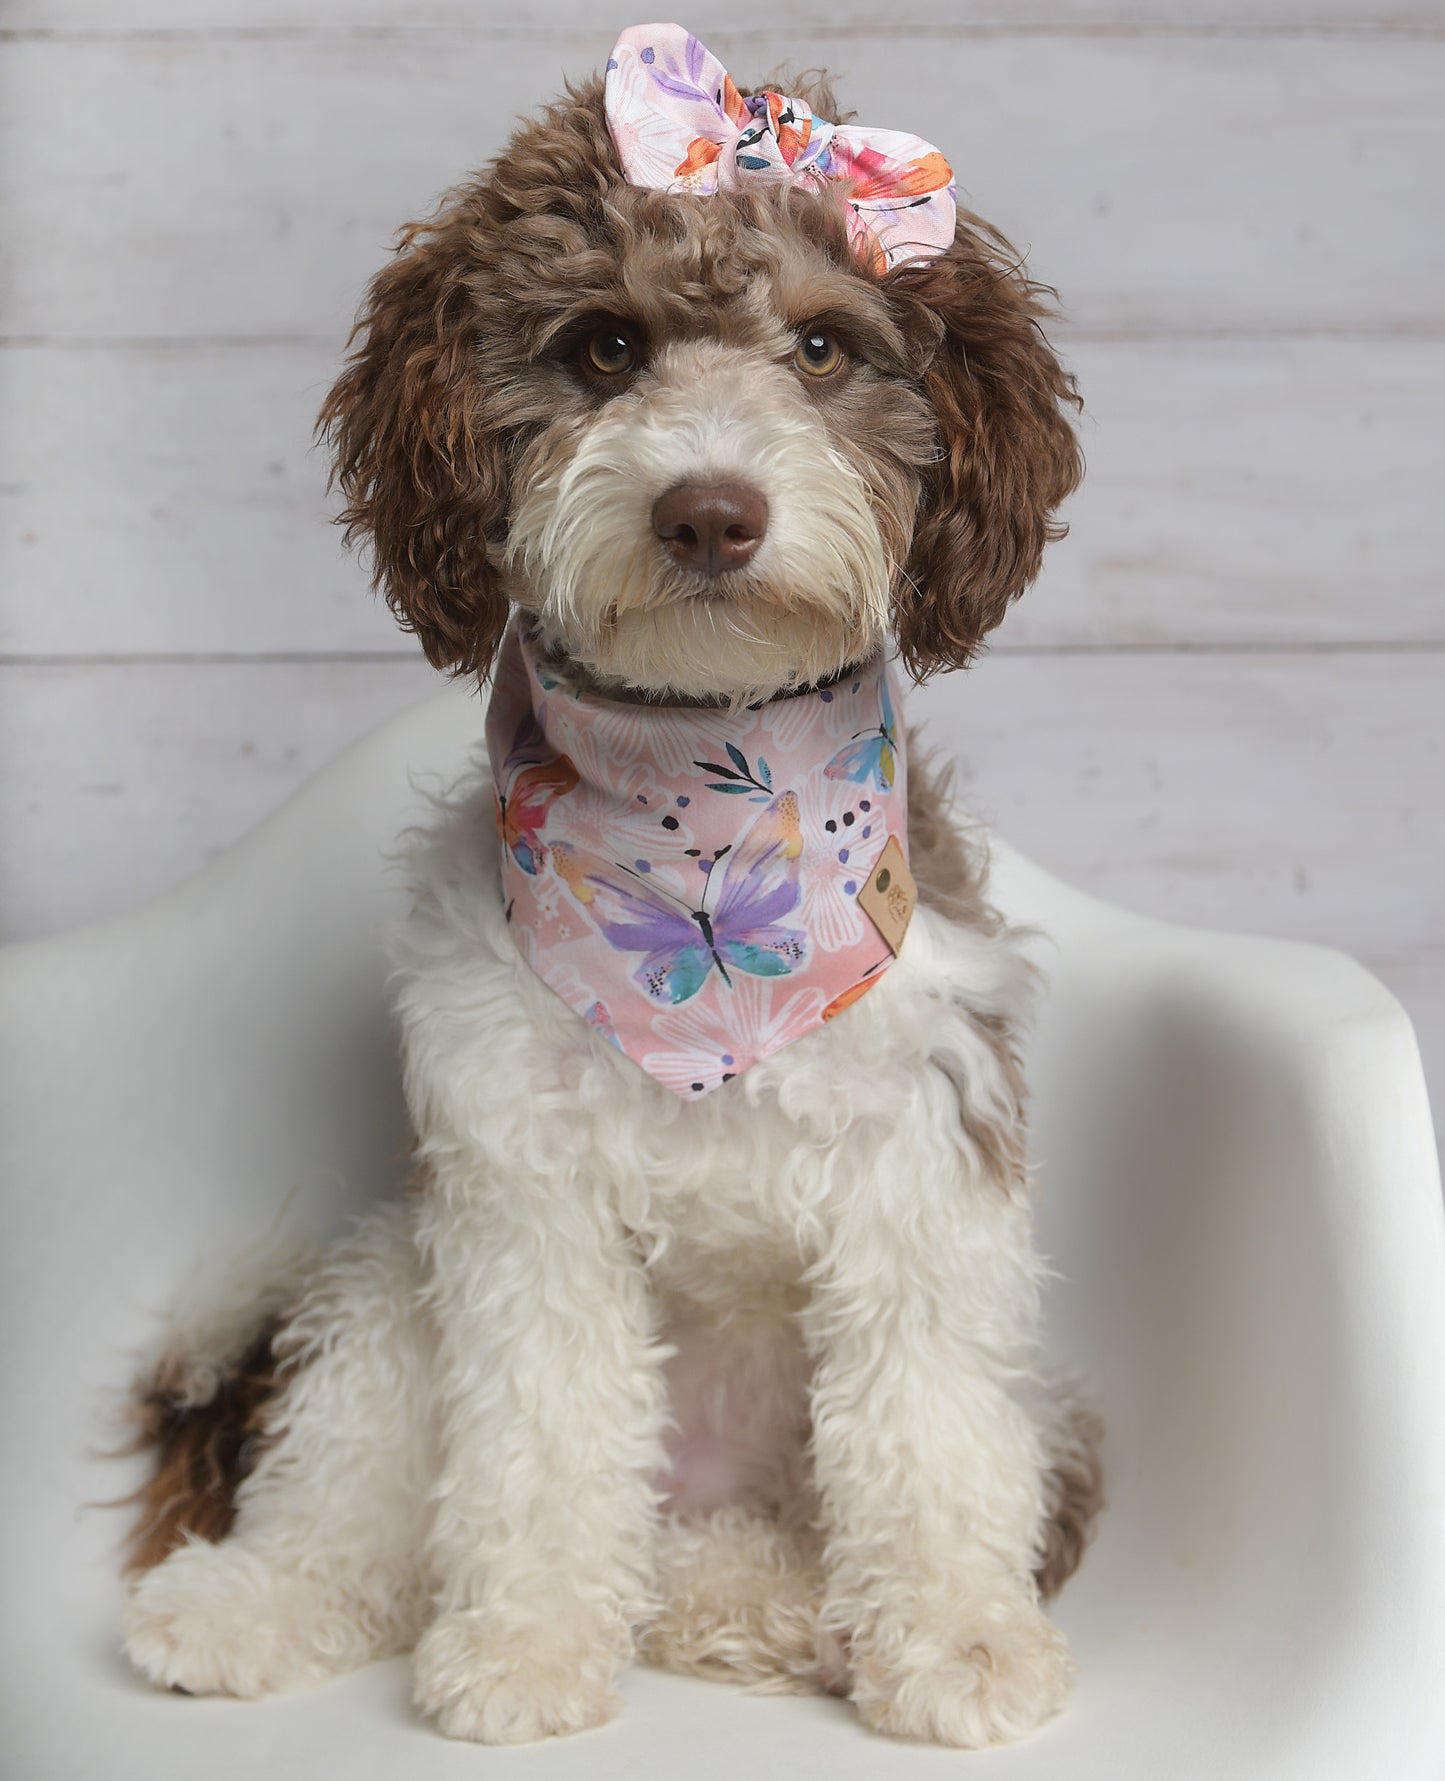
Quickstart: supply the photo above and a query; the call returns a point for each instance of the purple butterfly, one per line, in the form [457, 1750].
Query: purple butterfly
[682, 946]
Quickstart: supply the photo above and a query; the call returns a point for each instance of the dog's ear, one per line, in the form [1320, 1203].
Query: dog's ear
[424, 479]
[1008, 455]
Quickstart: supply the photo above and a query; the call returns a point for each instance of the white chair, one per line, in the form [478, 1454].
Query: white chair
[1237, 1184]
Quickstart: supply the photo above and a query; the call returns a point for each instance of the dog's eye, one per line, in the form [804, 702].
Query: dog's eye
[818, 354]
[610, 352]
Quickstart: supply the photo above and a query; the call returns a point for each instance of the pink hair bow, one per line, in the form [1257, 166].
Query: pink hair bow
[680, 125]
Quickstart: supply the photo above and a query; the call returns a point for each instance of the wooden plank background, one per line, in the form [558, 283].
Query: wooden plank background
[1223, 702]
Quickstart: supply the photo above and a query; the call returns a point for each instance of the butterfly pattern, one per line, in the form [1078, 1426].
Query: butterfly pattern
[681, 945]
[646, 881]
[871, 755]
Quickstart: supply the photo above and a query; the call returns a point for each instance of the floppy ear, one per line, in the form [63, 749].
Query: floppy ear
[424, 481]
[1008, 455]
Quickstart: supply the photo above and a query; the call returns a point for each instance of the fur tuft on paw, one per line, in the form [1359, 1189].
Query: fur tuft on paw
[489, 1683]
[220, 1619]
[989, 1678]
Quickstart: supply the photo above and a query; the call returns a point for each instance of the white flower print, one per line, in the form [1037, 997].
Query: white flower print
[576, 990]
[845, 828]
[813, 720]
[624, 814]
[645, 135]
[721, 1031]
[671, 737]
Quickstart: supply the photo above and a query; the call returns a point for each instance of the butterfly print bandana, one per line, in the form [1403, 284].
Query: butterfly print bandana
[680, 125]
[687, 879]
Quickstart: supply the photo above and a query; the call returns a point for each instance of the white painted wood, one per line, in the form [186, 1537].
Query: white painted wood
[168, 500]
[120, 780]
[1295, 795]
[1250, 492]
[248, 186]
[157, 500]
[745, 15]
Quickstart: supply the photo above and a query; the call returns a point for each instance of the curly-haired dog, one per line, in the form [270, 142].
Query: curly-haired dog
[726, 1361]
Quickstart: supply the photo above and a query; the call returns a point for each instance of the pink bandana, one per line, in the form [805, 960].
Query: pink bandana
[687, 880]
[680, 125]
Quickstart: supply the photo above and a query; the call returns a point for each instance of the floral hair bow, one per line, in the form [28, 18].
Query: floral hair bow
[680, 125]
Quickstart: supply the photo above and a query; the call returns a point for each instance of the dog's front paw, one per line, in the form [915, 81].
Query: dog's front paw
[217, 1619]
[986, 1675]
[485, 1681]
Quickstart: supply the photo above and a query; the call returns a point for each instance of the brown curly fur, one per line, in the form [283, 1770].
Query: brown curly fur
[1073, 1499]
[956, 416]
[1010, 454]
[201, 1452]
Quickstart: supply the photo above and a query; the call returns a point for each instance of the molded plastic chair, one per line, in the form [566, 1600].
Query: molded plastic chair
[1237, 1184]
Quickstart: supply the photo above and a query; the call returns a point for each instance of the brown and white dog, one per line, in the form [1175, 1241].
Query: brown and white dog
[712, 456]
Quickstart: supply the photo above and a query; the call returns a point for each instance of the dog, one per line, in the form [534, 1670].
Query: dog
[731, 1369]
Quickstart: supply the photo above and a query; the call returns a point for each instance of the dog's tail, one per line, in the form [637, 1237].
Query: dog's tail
[1074, 1488]
[199, 1401]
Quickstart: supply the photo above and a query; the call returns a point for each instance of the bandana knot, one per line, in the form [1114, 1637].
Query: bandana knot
[680, 125]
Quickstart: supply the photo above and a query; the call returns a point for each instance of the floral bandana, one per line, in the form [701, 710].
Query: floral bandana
[680, 125]
[687, 879]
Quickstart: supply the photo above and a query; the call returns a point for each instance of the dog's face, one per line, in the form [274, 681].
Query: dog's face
[711, 451]
[725, 496]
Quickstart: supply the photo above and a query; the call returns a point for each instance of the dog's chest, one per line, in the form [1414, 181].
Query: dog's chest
[755, 1170]
[729, 1194]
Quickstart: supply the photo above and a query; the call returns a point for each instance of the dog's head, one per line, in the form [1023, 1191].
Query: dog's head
[709, 448]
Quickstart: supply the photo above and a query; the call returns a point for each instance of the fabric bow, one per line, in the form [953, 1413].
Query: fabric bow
[680, 125]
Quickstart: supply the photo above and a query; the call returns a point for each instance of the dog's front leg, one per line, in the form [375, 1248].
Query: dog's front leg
[920, 1324]
[552, 1404]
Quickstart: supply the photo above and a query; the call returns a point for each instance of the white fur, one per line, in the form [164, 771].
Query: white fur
[473, 1453]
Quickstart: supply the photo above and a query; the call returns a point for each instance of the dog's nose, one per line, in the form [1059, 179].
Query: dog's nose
[711, 526]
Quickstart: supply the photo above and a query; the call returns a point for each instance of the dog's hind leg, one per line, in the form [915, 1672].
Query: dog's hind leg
[284, 1532]
[740, 1599]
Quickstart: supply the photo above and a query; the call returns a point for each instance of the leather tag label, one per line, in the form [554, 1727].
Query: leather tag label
[889, 897]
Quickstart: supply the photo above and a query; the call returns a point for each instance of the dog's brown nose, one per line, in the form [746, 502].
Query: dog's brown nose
[711, 526]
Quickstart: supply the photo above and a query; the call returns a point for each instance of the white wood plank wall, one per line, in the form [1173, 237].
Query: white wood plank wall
[1223, 703]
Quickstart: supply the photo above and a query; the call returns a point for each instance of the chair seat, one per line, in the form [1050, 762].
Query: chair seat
[1238, 1188]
